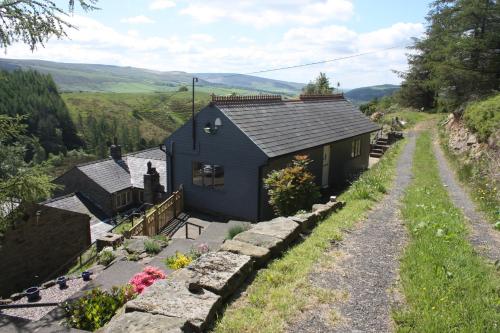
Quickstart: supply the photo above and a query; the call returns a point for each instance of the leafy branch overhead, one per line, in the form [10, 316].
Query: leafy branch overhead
[35, 22]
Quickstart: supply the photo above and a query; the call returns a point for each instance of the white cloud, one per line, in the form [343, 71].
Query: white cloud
[261, 13]
[161, 4]
[203, 38]
[96, 42]
[140, 19]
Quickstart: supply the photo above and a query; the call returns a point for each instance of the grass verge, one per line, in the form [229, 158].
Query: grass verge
[448, 287]
[471, 173]
[282, 290]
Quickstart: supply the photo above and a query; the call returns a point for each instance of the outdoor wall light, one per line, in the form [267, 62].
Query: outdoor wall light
[209, 129]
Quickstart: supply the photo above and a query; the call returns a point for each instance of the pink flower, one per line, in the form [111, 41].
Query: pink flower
[147, 277]
[203, 248]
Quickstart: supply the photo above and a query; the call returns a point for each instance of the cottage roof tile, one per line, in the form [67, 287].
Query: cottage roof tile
[280, 127]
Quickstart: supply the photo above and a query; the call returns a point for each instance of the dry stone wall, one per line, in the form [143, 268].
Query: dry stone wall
[189, 299]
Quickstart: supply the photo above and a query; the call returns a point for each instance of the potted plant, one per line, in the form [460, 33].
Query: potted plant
[61, 281]
[86, 275]
[33, 294]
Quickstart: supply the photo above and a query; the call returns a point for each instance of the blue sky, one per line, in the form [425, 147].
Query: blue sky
[244, 36]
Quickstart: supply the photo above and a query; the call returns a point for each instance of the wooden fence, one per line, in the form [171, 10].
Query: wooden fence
[157, 218]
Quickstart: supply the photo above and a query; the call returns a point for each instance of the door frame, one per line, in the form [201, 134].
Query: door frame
[325, 166]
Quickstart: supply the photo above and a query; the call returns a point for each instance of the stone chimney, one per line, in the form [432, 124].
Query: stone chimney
[115, 150]
[153, 191]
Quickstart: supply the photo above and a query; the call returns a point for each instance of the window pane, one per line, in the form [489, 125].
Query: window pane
[197, 173]
[208, 174]
[353, 148]
[218, 172]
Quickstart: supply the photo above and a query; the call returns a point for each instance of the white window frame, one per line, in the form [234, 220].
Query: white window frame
[123, 199]
[355, 148]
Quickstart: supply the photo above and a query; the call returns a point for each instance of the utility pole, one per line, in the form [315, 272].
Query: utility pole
[195, 79]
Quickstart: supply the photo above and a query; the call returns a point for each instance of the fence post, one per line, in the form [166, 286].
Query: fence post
[174, 197]
[157, 222]
[145, 226]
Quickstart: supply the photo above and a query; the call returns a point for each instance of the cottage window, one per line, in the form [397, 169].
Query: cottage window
[356, 148]
[123, 199]
[208, 175]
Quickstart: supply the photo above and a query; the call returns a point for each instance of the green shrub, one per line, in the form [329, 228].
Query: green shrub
[97, 307]
[152, 246]
[106, 256]
[483, 117]
[237, 229]
[292, 189]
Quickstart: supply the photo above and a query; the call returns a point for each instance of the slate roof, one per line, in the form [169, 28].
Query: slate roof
[280, 127]
[78, 203]
[116, 175]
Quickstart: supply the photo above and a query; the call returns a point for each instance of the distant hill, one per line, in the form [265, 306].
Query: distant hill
[366, 94]
[251, 82]
[106, 78]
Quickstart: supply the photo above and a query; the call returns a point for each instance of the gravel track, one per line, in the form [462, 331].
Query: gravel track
[366, 269]
[482, 236]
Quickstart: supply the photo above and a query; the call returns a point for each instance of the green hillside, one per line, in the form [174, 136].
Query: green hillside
[366, 94]
[34, 97]
[138, 120]
[105, 78]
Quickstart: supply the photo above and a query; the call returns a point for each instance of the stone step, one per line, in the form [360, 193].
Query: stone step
[376, 155]
[174, 225]
[377, 151]
[379, 146]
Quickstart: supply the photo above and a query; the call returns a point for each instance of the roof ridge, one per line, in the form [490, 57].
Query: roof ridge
[49, 200]
[315, 97]
[125, 155]
[261, 98]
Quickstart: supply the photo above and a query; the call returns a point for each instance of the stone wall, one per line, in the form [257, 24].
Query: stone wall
[38, 245]
[190, 298]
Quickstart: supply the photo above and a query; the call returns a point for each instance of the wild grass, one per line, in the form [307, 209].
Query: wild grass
[448, 287]
[282, 290]
[233, 231]
[152, 246]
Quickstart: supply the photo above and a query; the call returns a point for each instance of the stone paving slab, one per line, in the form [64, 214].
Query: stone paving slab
[176, 245]
[260, 254]
[143, 322]
[173, 299]
[217, 231]
[221, 272]
[116, 275]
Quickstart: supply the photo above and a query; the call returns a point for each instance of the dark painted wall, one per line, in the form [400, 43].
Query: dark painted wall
[245, 165]
[230, 148]
[342, 165]
[76, 181]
